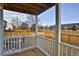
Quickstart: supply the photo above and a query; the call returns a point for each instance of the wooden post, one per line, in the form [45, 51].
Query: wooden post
[1, 30]
[58, 29]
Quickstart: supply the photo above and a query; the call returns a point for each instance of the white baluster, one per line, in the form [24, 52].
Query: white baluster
[11, 44]
[72, 52]
[66, 51]
[8, 44]
[62, 50]
[5, 44]
[52, 47]
[22, 43]
[19, 44]
[25, 42]
[41, 43]
[30, 42]
[78, 52]
[14, 43]
[48, 46]
[45, 45]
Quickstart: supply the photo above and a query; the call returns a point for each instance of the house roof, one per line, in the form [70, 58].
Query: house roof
[30, 8]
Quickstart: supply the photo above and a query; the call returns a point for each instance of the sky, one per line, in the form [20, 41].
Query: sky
[69, 14]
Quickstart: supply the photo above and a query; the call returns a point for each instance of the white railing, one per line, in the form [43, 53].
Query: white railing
[69, 50]
[48, 47]
[17, 44]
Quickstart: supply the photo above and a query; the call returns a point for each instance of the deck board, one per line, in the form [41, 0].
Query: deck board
[31, 52]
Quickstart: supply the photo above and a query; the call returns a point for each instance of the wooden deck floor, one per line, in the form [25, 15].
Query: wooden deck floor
[31, 52]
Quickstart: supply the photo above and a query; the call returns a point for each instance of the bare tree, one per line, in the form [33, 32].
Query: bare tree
[31, 21]
[23, 26]
[74, 28]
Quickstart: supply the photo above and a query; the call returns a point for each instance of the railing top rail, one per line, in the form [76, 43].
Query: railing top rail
[46, 38]
[19, 36]
[69, 45]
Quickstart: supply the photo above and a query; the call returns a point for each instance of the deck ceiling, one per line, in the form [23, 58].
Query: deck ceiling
[30, 8]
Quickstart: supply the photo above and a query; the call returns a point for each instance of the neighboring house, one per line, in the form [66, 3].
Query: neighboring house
[5, 25]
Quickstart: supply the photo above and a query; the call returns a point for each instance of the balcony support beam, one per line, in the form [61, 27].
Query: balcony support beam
[36, 25]
[36, 29]
[1, 30]
[58, 28]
